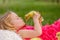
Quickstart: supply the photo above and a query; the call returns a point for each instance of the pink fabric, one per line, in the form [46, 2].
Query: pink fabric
[28, 27]
[48, 31]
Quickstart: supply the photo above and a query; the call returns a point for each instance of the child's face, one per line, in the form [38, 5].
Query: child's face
[16, 21]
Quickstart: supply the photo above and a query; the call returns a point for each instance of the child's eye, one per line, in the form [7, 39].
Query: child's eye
[17, 18]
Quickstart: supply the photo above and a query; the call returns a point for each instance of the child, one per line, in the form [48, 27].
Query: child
[11, 21]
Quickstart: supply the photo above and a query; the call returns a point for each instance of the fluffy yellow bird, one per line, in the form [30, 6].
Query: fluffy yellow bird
[31, 14]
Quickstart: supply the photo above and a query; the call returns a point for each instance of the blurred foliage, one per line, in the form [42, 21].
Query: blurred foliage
[49, 10]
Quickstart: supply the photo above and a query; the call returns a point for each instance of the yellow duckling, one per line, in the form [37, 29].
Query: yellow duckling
[58, 35]
[35, 39]
[31, 14]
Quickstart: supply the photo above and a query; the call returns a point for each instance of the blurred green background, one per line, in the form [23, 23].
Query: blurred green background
[49, 9]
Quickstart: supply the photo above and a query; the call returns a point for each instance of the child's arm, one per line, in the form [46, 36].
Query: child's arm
[32, 33]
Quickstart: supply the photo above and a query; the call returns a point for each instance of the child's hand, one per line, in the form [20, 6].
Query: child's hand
[36, 15]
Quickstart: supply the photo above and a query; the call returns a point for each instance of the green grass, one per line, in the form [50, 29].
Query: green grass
[50, 11]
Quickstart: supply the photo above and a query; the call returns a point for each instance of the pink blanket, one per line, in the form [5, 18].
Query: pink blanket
[48, 31]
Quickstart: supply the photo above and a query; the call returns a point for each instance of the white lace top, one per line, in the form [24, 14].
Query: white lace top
[9, 35]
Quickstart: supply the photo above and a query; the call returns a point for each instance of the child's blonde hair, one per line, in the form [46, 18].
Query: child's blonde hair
[5, 22]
